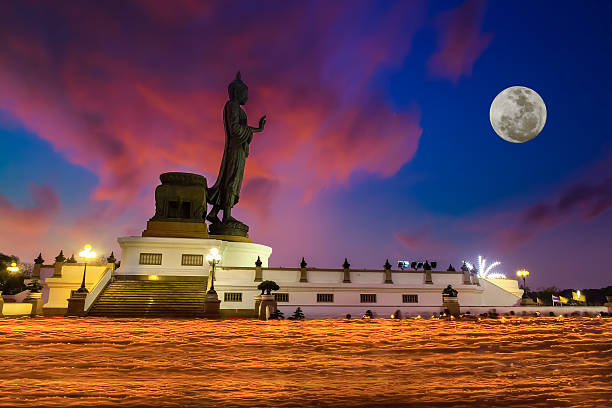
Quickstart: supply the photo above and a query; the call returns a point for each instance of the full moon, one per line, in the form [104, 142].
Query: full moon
[518, 114]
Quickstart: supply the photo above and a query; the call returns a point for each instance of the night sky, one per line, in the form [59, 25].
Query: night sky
[378, 143]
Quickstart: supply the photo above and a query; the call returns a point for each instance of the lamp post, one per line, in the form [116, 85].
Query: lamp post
[523, 273]
[213, 259]
[85, 254]
[13, 268]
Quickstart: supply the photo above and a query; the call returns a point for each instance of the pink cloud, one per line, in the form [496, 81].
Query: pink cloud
[509, 238]
[422, 244]
[133, 93]
[410, 241]
[258, 195]
[22, 224]
[584, 200]
[129, 101]
[460, 41]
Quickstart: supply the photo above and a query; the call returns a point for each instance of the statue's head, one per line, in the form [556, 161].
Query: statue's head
[238, 91]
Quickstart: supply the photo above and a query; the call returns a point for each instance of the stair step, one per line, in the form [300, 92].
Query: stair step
[150, 303]
[151, 299]
[159, 295]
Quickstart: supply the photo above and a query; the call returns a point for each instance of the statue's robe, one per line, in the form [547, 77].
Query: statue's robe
[226, 191]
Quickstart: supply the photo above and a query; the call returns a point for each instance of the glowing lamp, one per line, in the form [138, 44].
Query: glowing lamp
[86, 254]
[13, 268]
[522, 273]
[213, 258]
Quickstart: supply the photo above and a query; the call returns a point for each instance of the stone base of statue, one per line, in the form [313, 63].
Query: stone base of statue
[451, 303]
[176, 229]
[267, 307]
[233, 228]
[180, 207]
[212, 304]
[170, 251]
[76, 304]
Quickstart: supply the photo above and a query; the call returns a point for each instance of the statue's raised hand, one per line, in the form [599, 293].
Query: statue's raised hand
[262, 123]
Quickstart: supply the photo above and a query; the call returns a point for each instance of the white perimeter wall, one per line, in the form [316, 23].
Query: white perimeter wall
[347, 296]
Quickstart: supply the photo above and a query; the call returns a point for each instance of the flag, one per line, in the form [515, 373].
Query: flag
[556, 299]
[539, 301]
[578, 296]
[563, 299]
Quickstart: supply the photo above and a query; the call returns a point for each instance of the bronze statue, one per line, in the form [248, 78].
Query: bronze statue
[238, 135]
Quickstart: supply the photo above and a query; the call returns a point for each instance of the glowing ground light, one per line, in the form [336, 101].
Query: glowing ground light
[161, 362]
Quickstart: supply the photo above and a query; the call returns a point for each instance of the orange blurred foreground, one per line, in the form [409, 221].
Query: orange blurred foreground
[528, 362]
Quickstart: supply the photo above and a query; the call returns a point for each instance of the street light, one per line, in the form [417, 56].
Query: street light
[13, 267]
[213, 258]
[523, 273]
[86, 254]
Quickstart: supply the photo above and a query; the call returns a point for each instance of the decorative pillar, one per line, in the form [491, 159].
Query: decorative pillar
[427, 269]
[76, 304]
[267, 306]
[111, 260]
[38, 262]
[59, 263]
[347, 273]
[466, 278]
[450, 301]
[303, 271]
[608, 304]
[387, 266]
[257, 303]
[212, 305]
[35, 298]
[258, 271]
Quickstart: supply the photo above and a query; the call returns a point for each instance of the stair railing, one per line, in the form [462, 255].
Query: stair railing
[98, 288]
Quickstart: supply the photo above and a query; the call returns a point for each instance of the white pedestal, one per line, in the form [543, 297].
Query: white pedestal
[233, 254]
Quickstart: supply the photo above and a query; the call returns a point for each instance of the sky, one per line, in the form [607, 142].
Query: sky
[378, 143]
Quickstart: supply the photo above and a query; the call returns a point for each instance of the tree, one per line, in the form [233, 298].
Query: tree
[267, 286]
[10, 282]
[34, 286]
[277, 315]
[298, 314]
